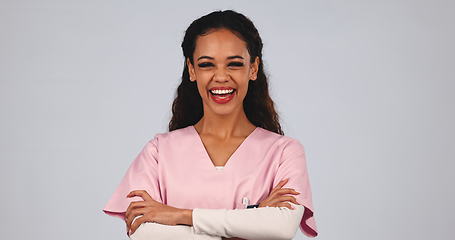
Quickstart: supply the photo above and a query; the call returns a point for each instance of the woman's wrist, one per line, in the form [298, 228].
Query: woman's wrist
[186, 217]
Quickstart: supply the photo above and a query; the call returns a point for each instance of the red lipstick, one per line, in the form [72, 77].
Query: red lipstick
[222, 95]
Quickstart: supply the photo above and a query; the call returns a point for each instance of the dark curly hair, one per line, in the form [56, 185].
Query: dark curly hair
[187, 108]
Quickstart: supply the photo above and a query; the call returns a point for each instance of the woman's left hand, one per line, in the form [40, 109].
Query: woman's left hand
[151, 210]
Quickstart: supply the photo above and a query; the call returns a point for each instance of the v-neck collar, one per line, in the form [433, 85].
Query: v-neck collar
[233, 155]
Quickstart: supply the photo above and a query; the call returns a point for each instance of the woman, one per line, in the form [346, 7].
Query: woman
[224, 152]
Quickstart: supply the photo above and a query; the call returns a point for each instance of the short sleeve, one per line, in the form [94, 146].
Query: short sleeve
[142, 174]
[293, 166]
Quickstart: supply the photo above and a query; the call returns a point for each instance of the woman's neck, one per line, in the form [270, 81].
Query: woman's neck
[224, 127]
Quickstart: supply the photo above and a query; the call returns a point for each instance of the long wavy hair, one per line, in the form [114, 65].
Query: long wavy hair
[187, 108]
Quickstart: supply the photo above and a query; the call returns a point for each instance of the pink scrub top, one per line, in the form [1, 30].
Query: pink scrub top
[175, 169]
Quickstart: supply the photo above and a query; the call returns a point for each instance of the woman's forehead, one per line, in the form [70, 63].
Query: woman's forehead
[220, 44]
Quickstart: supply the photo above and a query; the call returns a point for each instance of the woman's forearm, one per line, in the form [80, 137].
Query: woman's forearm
[157, 231]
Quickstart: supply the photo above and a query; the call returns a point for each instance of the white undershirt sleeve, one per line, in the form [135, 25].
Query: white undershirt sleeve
[264, 223]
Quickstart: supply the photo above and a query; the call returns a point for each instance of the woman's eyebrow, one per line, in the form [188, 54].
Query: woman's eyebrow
[236, 56]
[201, 57]
[230, 57]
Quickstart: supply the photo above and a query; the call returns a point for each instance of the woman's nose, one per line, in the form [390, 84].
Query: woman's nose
[221, 75]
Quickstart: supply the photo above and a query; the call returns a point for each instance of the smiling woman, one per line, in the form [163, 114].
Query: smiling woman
[224, 169]
[222, 58]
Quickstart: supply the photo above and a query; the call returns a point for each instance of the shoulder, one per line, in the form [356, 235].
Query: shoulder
[289, 146]
[293, 147]
[173, 137]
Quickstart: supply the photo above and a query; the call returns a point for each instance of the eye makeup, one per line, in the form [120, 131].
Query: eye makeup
[209, 64]
[236, 64]
[205, 64]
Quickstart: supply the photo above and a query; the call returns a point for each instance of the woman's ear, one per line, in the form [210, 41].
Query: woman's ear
[191, 70]
[254, 69]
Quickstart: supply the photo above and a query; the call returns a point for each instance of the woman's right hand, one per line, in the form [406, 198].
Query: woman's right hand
[276, 198]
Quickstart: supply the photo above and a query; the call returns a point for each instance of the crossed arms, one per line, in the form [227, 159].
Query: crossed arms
[214, 224]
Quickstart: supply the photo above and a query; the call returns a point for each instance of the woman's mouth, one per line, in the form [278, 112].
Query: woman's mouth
[222, 96]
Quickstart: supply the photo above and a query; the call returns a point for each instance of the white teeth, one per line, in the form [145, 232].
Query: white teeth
[222, 91]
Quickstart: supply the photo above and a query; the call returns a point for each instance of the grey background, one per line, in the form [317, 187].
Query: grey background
[366, 86]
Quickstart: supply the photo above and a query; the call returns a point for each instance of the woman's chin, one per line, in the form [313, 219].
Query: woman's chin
[224, 110]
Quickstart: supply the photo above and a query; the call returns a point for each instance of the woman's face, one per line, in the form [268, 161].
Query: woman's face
[221, 66]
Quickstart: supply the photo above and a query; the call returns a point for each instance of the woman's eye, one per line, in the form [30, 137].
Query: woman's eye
[236, 64]
[206, 64]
